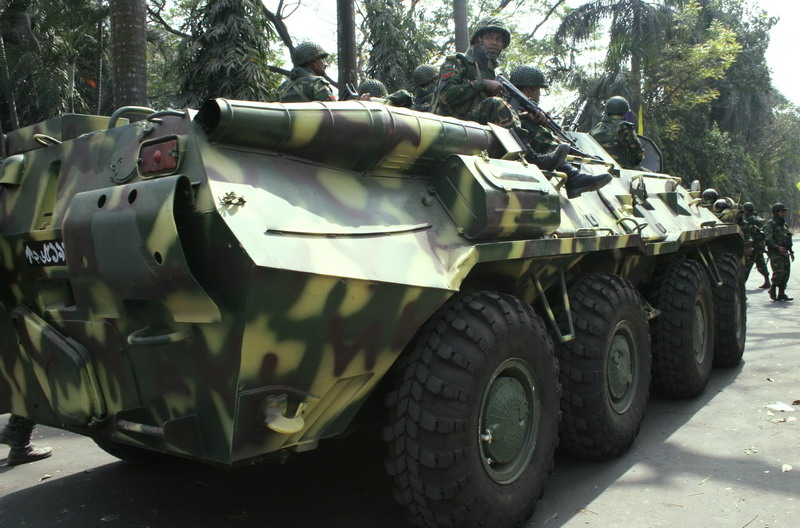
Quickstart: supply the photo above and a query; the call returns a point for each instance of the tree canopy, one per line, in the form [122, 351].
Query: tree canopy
[694, 69]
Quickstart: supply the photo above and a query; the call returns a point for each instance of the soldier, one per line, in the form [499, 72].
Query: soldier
[530, 81]
[778, 239]
[373, 88]
[424, 87]
[467, 89]
[17, 434]
[306, 81]
[752, 225]
[617, 136]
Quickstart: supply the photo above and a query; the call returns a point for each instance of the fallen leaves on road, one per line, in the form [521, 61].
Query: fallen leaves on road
[45, 477]
[784, 419]
[750, 450]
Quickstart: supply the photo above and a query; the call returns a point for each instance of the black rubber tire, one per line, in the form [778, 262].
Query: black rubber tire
[483, 362]
[683, 334]
[730, 312]
[605, 370]
[128, 453]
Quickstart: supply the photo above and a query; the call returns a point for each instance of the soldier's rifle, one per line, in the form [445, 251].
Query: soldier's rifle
[533, 108]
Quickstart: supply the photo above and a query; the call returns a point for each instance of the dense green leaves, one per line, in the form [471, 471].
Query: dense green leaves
[696, 68]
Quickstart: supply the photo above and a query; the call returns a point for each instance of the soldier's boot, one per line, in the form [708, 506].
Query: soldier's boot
[17, 433]
[29, 453]
[551, 160]
[772, 294]
[782, 295]
[766, 284]
[579, 182]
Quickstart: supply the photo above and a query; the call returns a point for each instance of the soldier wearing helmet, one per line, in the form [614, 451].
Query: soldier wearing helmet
[617, 136]
[778, 239]
[752, 228]
[467, 89]
[424, 86]
[530, 80]
[306, 81]
[375, 90]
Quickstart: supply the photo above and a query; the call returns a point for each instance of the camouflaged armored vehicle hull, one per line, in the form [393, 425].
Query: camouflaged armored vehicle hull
[237, 282]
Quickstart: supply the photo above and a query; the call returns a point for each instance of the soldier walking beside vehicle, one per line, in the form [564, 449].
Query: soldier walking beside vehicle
[752, 225]
[17, 434]
[778, 239]
[617, 136]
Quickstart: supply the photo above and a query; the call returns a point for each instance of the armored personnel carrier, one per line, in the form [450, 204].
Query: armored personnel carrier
[242, 280]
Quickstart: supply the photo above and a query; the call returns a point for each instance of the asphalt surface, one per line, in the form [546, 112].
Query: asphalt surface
[719, 460]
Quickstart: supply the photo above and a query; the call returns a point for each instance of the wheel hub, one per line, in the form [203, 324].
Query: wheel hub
[509, 421]
[699, 332]
[621, 368]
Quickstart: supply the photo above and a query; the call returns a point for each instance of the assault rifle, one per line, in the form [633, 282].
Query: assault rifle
[532, 107]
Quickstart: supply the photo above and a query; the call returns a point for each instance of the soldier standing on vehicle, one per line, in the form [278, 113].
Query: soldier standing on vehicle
[530, 81]
[17, 434]
[306, 81]
[468, 89]
[424, 87]
[752, 225]
[617, 136]
[778, 239]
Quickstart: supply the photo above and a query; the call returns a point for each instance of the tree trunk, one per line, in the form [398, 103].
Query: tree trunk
[129, 52]
[461, 24]
[346, 15]
[100, 49]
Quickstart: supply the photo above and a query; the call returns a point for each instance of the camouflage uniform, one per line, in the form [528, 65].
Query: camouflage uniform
[423, 98]
[619, 139]
[752, 225]
[462, 93]
[424, 80]
[777, 235]
[304, 85]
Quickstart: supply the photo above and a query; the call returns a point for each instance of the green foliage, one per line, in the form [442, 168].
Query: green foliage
[389, 28]
[227, 54]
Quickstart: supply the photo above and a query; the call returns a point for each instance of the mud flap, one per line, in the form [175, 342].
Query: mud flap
[63, 368]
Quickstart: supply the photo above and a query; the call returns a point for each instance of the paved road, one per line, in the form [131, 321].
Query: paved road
[714, 461]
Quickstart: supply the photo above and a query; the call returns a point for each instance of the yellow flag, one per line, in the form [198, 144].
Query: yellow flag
[641, 122]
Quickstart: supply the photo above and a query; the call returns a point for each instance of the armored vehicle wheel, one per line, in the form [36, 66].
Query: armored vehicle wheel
[128, 453]
[605, 370]
[730, 313]
[473, 422]
[683, 334]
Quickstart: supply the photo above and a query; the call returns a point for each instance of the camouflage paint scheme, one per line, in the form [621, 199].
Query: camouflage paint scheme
[227, 283]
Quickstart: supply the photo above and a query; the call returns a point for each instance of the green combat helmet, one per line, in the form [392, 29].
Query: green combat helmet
[306, 52]
[528, 76]
[749, 207]
[617, 105]
[374, 87]
[424, 74]
[779, 207]
[490, 24]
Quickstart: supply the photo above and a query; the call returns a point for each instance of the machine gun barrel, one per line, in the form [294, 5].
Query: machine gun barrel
[531, 106]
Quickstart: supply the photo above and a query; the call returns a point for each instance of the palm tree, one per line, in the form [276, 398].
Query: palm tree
[636, 29]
